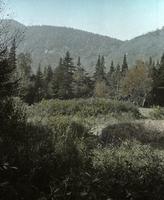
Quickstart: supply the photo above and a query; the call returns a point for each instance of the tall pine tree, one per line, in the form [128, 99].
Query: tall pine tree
[57, 79]
[8, 84]
[124, 66]
[112, 69]
[82, 86]
[12, 55]
[63, 78]
[24, 72]
[161, 72]
[39, 85]
[100, 74]
[48, 76]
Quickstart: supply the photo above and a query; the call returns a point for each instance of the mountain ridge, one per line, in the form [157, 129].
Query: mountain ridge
[48, 43]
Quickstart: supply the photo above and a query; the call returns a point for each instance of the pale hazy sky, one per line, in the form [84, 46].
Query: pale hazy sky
[122, 19]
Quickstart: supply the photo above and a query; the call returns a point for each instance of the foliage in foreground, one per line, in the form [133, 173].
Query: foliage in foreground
[132, 171]
[65, 161]
[117, 133]
[157, 113]
[82, 107]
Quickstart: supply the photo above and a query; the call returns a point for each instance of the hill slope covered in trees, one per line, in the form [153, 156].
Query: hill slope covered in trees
[48, 43]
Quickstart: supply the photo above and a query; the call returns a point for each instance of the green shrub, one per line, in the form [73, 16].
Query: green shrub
[157, 113]
[117, 133]
[132, 171]
[59, 158]
[82, 107]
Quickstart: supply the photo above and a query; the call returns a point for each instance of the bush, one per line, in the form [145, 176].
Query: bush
[157, 113]
[117, 133]
[132, 171]
[82, 107]
[25, 151]
[58, 158]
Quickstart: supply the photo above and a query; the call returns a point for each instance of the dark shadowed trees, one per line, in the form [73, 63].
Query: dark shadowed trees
[124, 66]
[63, 80]
[100, 74]
[83, 85]
[39, 85]
[24, 74]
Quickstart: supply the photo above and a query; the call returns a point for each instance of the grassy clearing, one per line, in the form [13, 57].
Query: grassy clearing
[89, 112]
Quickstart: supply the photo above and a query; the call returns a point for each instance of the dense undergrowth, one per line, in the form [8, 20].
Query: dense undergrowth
[88, 112]
[83, 107]
[157, 113]
[61, 159]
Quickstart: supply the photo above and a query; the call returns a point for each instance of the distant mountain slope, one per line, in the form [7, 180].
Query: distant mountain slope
[48, 43]
[142, 47]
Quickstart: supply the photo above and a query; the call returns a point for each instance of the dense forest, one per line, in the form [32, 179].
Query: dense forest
[138, 84]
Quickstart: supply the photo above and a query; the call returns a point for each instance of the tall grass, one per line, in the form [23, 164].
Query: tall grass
[64, 160]
[82, 107]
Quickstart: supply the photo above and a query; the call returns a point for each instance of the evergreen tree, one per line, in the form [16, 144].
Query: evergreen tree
[100, 78]
[96, 74]
[10, 125]
[24, 74]
[39, 85]
[83, 85]
[66, 85]
[99, 74]
[111, 77]
[158, 78]
[63, 79]
[12, 60]
[157, 64]
[57, 78]
[79, 62]
[124, 66]
[118, 79]
[151, 65]
[8, 85]
[12, 56]
[68, 63]
[110, 74]
[48, 76]
[118, 68]
[18, 141]
[102, 69]
[161, 72]
[112, 69]
[61, 62]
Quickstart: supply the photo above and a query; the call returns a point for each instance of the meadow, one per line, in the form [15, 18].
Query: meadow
[121, 159]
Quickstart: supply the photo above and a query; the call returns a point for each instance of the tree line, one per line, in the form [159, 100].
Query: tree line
[66, 81]
[139, 84]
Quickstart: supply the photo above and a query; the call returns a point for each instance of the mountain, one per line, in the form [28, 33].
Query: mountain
[48, 43]
[142, 47]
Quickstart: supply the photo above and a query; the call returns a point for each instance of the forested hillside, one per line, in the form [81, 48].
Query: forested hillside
[47, 44]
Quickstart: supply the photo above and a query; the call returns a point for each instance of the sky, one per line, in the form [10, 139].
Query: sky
[121, 19]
